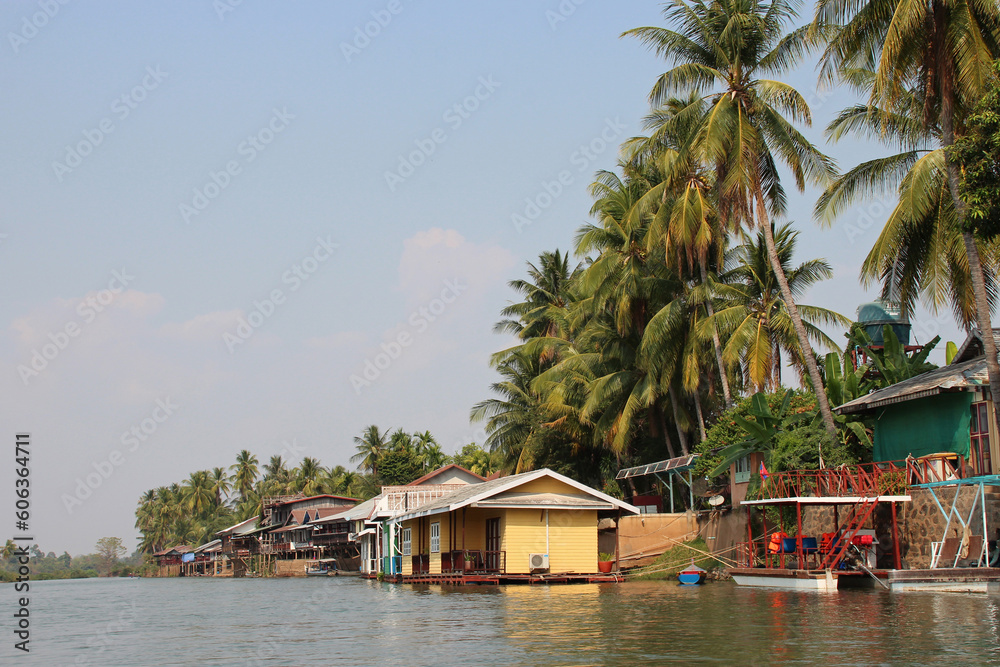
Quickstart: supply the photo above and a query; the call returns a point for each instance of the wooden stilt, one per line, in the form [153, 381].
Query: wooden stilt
[897, 561]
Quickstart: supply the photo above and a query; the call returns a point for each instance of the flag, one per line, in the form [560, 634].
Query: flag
[763, 471]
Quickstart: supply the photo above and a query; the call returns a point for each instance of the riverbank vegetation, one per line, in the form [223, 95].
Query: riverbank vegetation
[670, 328]
[48, 565]
[673, 325]
[192, 511]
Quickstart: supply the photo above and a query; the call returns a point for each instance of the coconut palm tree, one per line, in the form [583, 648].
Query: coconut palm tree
[199, 495]
[725, 50]
[920, 252]
[513, 420]
[370, 446]
[944, 51]
[245, 473]
[754, 317]
[685, 227]
[276, 468]
[221, 485]
[309, 477]
[429, 450]
[545, 294]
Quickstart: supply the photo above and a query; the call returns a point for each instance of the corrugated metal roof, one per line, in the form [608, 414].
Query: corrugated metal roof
[561, 500]
[973, 346]
[964, 376]
[475, 493]
[332, 515]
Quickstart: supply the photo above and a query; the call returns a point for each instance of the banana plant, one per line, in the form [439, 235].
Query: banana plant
[761, 431]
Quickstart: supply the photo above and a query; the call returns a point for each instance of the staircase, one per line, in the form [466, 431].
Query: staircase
[860, 513]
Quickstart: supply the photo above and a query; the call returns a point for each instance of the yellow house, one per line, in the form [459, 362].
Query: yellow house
[538, 521]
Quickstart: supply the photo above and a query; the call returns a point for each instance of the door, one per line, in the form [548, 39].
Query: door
[493, 544]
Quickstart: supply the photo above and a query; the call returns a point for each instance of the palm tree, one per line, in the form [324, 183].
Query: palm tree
[727, 48]
[309, 479]
[244, 472]
[429, 450]
[944, 50]
[512, 420]
[754, 317]
[199, 495]
[685, 226]
[220, 484]
[276, 468]
[920, 252]
[545, 294]
[370, 446]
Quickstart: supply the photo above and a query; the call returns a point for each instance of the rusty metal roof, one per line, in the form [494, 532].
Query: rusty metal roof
[964, 376]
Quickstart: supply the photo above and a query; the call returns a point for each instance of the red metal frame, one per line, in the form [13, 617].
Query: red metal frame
[864, 480]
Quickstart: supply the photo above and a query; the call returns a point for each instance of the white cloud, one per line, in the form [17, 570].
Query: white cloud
[433, 256]
[207, 327]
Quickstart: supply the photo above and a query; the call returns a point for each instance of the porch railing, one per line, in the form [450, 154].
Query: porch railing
[474, 561]
[865, 480]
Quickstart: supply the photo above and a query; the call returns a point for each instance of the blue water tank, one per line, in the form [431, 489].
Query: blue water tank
[875, 315]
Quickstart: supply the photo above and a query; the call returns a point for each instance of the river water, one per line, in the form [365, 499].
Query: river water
[349, 621]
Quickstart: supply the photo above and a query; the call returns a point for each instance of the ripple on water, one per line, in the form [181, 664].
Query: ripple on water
[347, 621]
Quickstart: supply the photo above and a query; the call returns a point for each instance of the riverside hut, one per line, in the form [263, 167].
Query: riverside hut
[538, 524]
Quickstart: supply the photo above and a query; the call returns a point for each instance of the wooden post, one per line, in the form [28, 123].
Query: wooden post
[618, 528]
[798, 535]
[750, 549]
[897, 561]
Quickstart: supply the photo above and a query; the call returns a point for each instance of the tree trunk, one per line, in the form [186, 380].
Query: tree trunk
[983, 312]
[701, 418]
[800, 330]
[717, 344]
[658, 427]
[681, 435]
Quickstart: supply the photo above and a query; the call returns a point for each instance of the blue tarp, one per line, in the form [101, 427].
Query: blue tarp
[187, 558]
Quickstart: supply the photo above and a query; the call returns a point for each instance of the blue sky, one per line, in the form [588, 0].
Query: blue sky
[213, 219]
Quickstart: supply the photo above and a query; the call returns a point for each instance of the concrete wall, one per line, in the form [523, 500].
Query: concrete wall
[643, 535]
[292, 568]
[921, 522]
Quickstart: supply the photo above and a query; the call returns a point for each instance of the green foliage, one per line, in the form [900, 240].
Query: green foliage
[46, 566]
[476, 459]
[191, 513]
[784, 426]
[978, 152]
[400, 466]
[677, 558]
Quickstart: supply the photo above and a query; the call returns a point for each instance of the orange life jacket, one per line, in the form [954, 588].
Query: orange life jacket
[775, 545]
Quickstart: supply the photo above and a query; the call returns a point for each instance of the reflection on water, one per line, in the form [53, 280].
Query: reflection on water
[344, 621]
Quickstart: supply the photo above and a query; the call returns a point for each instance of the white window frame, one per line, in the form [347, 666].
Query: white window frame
[436, 537]
[407, 541]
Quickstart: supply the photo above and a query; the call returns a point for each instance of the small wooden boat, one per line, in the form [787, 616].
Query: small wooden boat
[692, 575]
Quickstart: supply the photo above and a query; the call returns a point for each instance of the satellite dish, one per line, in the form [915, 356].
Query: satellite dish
[715, 501]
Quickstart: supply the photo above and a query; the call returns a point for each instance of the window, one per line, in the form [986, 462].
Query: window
[435, 538]
[742, 470]
[406, 541]
[979, 441]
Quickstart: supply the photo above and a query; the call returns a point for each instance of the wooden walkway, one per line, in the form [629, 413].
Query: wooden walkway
[462, 579]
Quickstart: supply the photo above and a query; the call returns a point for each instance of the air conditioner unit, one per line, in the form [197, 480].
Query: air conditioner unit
[538, 561]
